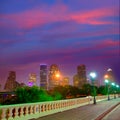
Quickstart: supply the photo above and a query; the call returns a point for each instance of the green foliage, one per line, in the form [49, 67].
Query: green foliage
[102, 90]
[59, 92]
[65, 92]
[94, 90]
[56, 95]
[86, 89]
[73, 91]
[31, 94]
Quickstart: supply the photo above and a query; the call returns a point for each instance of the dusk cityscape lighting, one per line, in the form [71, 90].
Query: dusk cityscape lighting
[66, 33]
[59, 55]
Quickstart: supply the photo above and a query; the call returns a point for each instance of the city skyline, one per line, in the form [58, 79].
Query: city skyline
[64, 32]
[39, 82]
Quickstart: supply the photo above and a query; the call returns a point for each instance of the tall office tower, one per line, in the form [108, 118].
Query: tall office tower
[109, 75]
[80, 78]
[11, 83]
[64, 81]
[32, 79]
[43, 76]
[54, 76]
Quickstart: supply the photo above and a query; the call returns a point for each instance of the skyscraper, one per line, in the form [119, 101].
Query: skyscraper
[32, 79]
[43, 76]
[80, 78]
[11, 83]
[54, 76]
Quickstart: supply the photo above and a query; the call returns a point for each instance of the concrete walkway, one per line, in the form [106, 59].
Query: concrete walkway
[113, 115]
[88, 112]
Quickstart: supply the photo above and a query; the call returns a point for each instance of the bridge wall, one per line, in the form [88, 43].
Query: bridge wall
[39, 109]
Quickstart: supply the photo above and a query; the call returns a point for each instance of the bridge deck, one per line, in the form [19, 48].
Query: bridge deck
[88, 112]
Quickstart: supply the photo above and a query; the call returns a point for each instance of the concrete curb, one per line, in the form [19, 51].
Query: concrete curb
[100, 117]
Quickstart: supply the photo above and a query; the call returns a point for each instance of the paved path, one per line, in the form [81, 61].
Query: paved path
[88, 112]
[113, 115]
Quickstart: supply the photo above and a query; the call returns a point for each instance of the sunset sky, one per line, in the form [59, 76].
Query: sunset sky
[63, 32]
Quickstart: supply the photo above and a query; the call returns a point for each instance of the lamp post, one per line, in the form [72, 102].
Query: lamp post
[93, 76]
[117, 86]
[113, 84]
[107, 81]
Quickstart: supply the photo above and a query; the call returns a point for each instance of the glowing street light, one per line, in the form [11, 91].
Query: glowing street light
[93, 76]
[117, 86]
[113, 84]
[107, 81]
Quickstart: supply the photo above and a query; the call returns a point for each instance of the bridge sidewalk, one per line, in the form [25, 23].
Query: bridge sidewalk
[87, 112]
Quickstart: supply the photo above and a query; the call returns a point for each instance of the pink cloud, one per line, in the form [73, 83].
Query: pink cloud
[56, 13]
[107, 43]
[93, 17]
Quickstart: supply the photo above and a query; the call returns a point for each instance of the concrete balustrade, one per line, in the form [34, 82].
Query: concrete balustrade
[39, 109]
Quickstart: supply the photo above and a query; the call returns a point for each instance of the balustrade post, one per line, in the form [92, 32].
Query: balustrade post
[9, 114]
[3, 114]
[21, 112]
[16, 113]
[34, 109]
[26, 113]
[31, 110]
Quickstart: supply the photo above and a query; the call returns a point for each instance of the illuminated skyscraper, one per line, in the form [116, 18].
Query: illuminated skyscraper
[32, 79]
[43, 76]
[54, 76]
[80, 78]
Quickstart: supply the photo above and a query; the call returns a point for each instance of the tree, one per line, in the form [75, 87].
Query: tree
[87, 89]
[31, 94]
[102, 90]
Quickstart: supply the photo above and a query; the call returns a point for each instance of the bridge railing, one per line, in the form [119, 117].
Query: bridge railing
[35, 110]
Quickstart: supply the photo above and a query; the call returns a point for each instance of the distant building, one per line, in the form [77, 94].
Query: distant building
[11, 83]
[64, 81]
[54, 76]
[80, 78]
[109, 75]
[43, 76]
[32, 79]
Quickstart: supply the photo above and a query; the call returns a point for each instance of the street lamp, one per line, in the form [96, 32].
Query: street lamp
[113, 84]
[107, 81]
[117, 86]
[93, 76]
